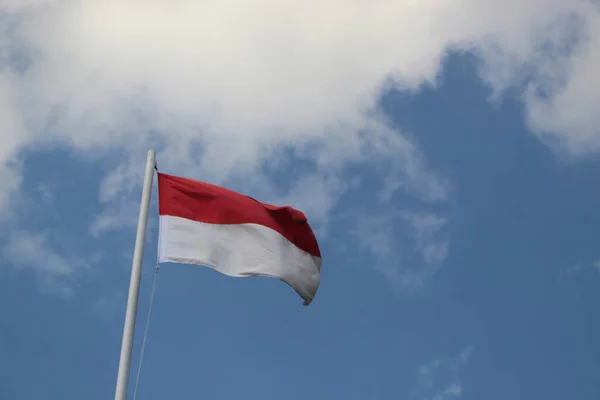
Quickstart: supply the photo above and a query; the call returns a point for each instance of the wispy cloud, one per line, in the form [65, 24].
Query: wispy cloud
[453, 391]
[578, 268]
[34, 253]
[117, 214]
[407, 247]
[429, 236]
[316, 191]
[45, 193]
[110, 306]
[440, 378]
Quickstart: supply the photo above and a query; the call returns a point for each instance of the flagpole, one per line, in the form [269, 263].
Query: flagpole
[134, 284]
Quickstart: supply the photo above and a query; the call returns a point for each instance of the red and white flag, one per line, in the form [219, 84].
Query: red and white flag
[208, 225]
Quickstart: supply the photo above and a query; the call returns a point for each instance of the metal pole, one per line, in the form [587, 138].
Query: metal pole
[134, 284]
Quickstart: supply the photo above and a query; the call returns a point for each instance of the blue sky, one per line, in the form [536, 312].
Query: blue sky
[458, 226]
[509, 315]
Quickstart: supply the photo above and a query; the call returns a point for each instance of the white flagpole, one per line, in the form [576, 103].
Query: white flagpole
[134, 284]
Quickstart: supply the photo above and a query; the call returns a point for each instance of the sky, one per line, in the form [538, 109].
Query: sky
[445, 152]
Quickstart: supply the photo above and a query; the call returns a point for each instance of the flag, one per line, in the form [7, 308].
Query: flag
[208, 225]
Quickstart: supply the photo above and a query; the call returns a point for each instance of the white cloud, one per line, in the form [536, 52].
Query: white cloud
[12, 134]
[596, 265]
[241, 79]
[222, 86]
[27, 251]
[427, 230]
[236, 79]
[122, 212]
[45, 193]
[407, 247]
[111, 305]
[440, 378]
[584, 267]
[454, 391]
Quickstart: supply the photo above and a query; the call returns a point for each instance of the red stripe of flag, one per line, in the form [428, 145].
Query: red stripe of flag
[204, 202]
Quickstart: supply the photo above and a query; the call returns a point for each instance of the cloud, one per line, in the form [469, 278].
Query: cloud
[235, 81]
[407, 247]
[584, 267]
[440, 378]
[45, 193]
[596, 265]
[226, 89]
[316, 189]
[453, 391]
[110, 306]
[26, 251]
[238, 80]
[122, 212]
